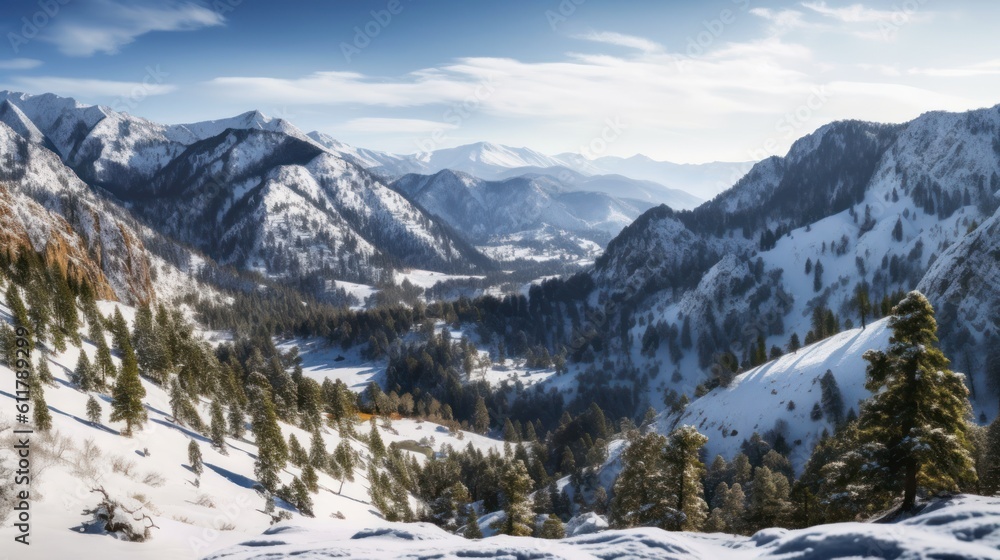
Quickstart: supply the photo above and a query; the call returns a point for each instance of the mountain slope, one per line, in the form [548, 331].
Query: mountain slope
[884, 207]
[780, 396]
[250, 191]
[521, 211]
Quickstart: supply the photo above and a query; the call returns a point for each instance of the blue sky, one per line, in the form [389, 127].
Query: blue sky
[681, 81]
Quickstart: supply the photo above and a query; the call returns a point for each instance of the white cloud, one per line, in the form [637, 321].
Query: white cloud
[84, 88]
[383, 125]
[987, 68]
[109, 24]
[855, 13]
[19, 64]
[674, 106]
[782, 20]
[622, 40]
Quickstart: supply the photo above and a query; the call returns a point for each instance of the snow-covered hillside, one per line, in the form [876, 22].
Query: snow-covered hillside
[780, 395]
[960, 527]
[192, 520]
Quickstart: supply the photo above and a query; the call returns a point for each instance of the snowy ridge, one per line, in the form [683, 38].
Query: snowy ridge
[759, 399]
[960, 527]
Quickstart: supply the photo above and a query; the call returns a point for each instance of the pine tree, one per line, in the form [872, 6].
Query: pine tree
[567, 463]
[733, 508]
[236, 420]
[472, 530]
[685, 471]
[83, 376]
[104, 367]
[769, 503]
[862, 302]
[552, 528]
[93, 410]
[17, 308]
[297, 454]
[832, 400]
[43, 372]
[272, 452]
[127, 395]
[917, 421]
[119, 332]
[194, 458]
[660, 482]
[301, 498]
[310, 478]
[509, 433]
[67, 320]
[793, 343]
[318, 456]
[40, 314]
[217, 428]
[343, 455]
[515, 484]
[375, 445]
[41, 416]
[742, 469]
[149, 345]
[990, 483]
[818, 276]
[8, 340]
[481, 419]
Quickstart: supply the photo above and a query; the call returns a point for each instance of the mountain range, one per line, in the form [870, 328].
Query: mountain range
[854, 205]
[257, 193]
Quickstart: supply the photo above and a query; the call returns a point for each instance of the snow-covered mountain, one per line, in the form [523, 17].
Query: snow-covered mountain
[251, 191]
[680, 186]
[45, 207]
[703, 180]
[888, 207]
[520, 212]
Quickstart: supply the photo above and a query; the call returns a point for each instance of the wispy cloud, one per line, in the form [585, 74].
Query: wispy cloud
[84, 88]
[107, 25]
[19, 64]
[782, 20]
[622, 40]
[647, 87]
[384, 125]
[855, 13]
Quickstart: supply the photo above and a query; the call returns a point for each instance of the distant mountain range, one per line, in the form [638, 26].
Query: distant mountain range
[661, 182]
